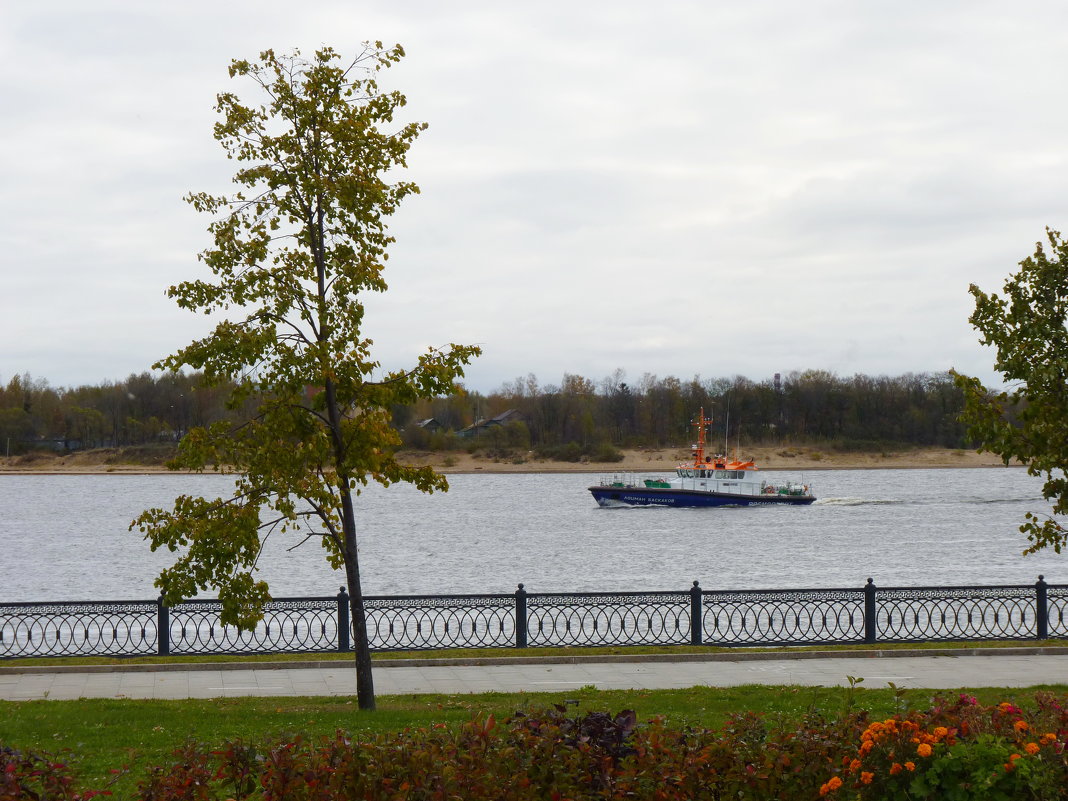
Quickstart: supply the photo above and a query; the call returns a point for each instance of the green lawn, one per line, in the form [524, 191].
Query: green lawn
[106, 734]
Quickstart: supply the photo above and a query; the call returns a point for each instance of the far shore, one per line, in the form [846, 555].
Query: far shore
[662, 460]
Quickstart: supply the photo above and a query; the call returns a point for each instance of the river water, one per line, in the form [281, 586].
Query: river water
[66, 537]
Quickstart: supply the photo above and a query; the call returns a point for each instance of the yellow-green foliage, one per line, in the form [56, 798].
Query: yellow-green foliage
[295, 249]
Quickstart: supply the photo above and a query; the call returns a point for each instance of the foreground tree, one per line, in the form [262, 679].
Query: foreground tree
[1029, 421]
[294, 250]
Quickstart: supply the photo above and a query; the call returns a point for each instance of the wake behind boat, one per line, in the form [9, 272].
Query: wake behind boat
[709, 481]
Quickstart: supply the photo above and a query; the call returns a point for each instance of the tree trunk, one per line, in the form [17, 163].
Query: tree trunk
[365, 685]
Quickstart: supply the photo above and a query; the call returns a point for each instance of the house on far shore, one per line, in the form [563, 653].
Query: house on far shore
[430, 424]
[483, 426]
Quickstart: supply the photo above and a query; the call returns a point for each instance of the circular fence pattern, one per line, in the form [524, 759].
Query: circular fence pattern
[1057, 611]
[959, 613]
[288, 626]
[597, 619]
[107, 628]
[783, 617]
[415, 623]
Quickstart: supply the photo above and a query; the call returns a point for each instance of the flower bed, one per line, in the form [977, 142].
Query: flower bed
[957, 749]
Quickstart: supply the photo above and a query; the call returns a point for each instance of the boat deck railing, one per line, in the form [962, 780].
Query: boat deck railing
[627, 480]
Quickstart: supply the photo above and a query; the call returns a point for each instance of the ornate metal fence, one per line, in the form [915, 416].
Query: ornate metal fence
[783, 617]
[100, 628]
[410, 623]
[1056, 611]
[289, 625]
[910, 614]
[639, 618]
[696, 617]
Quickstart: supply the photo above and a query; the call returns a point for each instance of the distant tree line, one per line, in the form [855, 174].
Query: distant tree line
[859, 412]
[139, 410]
[576, 417]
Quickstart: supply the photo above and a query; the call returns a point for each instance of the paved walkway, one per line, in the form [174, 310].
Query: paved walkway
[985, 669]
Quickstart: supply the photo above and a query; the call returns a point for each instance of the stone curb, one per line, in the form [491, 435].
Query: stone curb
[719, 656]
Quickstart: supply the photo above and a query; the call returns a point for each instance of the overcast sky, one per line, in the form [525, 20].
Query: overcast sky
[679, 188]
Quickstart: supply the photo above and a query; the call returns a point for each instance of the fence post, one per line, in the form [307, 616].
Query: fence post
[696, 616]
[343, 626]
[1042, 608]
[871, 620]
[163, 628]
[520, 617]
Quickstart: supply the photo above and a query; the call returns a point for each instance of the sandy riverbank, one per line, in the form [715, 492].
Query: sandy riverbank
[646, 461]
[767, 458]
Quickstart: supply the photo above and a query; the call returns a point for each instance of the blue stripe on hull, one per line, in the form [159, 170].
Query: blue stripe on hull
[637, 496]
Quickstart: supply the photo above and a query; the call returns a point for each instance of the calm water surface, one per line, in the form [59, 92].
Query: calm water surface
[66, 538]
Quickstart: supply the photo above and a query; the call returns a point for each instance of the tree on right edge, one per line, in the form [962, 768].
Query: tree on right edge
[1028, 421]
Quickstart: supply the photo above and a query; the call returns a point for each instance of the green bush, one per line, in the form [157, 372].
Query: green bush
[882, 446]
[569, 452]
[606, 453]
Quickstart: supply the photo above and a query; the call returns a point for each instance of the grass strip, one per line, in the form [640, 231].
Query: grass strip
[479, 653]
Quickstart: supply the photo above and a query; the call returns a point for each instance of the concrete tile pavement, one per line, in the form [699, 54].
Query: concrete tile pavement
[983, 668]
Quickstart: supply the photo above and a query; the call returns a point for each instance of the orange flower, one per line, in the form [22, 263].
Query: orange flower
[910, 766]
[1021, 725]
[833, 784]
[941, 731]
[865, 747]
[1009, 767]
[866, 777]
[895, 769]
[1014, 757]
[1048, 738]
[854, 766]
[1031, 748]
[1004, 706]
[923, 749]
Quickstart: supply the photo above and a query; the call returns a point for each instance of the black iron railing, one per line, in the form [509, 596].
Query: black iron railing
[696, 616]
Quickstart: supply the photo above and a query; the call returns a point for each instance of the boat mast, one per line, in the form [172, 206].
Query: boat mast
[727, 429]
[699, 448]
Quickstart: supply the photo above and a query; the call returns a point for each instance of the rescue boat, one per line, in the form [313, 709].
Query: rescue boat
[707, 481]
